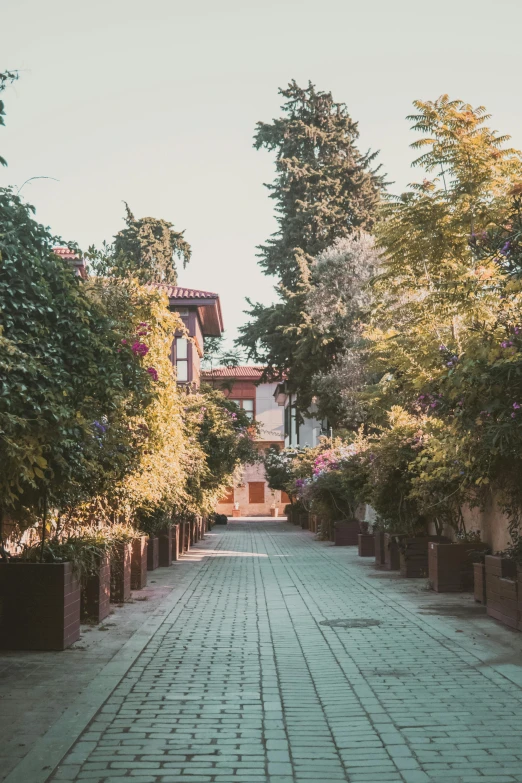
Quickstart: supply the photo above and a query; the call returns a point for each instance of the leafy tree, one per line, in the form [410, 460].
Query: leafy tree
[221, 438]
[433, 290]
[278, 464]
[324, 189]
[7, 77]
[59, 371]
[145, 250]
[337, 304]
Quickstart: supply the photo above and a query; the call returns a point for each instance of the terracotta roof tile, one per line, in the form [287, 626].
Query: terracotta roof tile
[64, 252]
[244, 371]
[178, 292]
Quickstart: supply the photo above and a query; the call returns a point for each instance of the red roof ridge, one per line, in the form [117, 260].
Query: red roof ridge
[180, 292]
[241, 371]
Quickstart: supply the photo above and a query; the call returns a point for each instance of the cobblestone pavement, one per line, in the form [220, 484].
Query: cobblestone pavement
[244, 683]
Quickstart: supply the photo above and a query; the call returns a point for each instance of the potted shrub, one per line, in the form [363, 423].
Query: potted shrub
[392, 553]
[502, 589]
[152, 553]
[45, 614]
[414, 555]
[235, 511]
[139, 563]
[379, 548]
[176, 551]
[96, 592]
[95, 574]
[165, 546]
[121, 560]
[40, 594]
[450, 564]
[347, 532]
[186, 536]
[366, 543]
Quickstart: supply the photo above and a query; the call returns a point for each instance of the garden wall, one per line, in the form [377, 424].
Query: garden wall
[491, 522]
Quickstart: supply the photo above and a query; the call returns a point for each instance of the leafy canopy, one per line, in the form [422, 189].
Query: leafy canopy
[145, 250]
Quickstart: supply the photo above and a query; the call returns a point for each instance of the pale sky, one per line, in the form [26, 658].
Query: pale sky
[156, 102]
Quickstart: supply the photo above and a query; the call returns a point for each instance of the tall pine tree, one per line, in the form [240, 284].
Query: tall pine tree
[324, 189]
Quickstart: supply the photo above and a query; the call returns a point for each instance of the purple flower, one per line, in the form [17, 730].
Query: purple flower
[506, 344]
[513, 415]
[153, 373]
[505, 248]
[516, 406]
[442, 348]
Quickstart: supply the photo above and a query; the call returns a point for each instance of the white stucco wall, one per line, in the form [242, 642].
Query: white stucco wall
[268, 413]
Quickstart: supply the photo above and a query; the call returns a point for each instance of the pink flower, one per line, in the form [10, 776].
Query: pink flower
[153, 373]
[140, 349]
[124, 341]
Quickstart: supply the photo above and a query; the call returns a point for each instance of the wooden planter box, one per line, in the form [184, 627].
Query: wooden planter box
[366, 543]
[236, 512]
[502, 590]
[121, 573]
[380, 552]
[181, 545]
[186, 536]
[152, 553]
[96, 593]
[165, 547]
[450, 566]
[304, 521]
[519, 580]
[175, 553]
[414, 555]
[479, 582]
[39, 606]
[347, 532]
[139, 563]
[392, 554]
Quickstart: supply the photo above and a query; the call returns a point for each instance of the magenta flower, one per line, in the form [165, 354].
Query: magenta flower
[124, 341]
[516, 406]
[506, 344]
[153, 373]
[140, 349]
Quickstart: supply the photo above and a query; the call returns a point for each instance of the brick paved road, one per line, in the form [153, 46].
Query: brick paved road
[242, 683]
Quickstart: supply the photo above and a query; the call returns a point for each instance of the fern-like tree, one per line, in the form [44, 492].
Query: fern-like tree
[435, 290]
[324, 189]
[146, 249]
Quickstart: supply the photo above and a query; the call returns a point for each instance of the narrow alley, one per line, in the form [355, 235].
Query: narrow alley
[290, 660]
